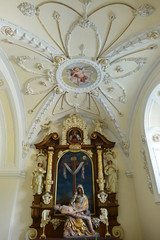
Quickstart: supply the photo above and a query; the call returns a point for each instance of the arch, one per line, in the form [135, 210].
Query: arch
[17, 107]
[148, 97]
[153, 142]
[144, 97]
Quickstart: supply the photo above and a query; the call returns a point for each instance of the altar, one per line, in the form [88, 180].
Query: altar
[74, 185]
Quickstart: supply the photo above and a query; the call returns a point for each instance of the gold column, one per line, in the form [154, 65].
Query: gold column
[49, 181]
[100, 179]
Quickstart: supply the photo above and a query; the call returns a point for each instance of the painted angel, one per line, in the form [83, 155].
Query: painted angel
[78, 73]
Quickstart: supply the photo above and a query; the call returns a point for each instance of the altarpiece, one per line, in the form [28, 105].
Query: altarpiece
[65, 162]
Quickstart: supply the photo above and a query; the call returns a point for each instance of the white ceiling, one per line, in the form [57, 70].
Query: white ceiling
[115, 44]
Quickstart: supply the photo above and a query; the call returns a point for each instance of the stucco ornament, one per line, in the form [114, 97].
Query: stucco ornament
[99, 125]
[125, 146]
[79, 75]
[154, 35]
[104, 219]
[59, 60]
[96, 222]
[156, 137]
[8, 31]
[25, 148]
[149, 182]
[102, 197]
[145, 10]
[87, 74]
[84, 23]
[48, 127]
[117, 231]
[74, 120]
[27, 9]
[47, 197]
[86, 2]
[56, 16]
[31, 234]
[55, 222]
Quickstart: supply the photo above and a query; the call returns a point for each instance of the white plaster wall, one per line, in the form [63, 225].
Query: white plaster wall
[7, 197]
[22, 215]
[128, 212]
[15, 201]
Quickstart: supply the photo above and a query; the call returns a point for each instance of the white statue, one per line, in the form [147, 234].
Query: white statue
[111, 173]
[45, 219]
[38, 177]
[104, 216]
[104, 219]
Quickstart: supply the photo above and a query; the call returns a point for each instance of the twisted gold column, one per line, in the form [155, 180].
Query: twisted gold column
[49, 181]
[100, 179]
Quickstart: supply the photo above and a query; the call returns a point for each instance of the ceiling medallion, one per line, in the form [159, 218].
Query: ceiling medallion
[79, 75]
[106, 57]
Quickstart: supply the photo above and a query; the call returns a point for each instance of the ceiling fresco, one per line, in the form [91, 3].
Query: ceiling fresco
[82, 56]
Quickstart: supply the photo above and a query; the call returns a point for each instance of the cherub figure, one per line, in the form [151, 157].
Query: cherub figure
[78, 73]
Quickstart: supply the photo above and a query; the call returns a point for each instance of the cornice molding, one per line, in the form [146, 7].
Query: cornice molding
[10, 173]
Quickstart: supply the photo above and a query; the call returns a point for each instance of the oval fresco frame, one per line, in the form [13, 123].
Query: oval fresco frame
[79, 75]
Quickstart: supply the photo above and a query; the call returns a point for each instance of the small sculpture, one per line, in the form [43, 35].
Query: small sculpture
[56, 222]
[44, 221]
[37, 180]
[78, 215]
[104, 219]
[111, 172]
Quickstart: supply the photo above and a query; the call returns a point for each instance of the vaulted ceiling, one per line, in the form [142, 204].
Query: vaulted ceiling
[75, 56]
